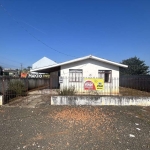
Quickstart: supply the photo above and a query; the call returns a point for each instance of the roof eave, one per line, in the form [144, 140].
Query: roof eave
[80, 59]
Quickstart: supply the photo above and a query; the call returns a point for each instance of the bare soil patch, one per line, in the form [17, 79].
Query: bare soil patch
[80, 114]
[2, 111]
[93, 120]
[75, 128]
[132, 92]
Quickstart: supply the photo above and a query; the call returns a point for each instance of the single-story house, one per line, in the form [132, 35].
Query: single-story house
[89, 73]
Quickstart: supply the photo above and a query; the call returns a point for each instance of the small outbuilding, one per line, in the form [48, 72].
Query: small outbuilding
[85, 74]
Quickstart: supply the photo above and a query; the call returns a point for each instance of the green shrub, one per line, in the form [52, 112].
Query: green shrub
[18, 87]
[9, 94]
[67, 91]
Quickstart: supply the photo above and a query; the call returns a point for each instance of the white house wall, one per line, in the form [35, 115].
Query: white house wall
[90, 69]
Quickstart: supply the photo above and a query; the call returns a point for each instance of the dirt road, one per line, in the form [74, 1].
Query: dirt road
[75, 128]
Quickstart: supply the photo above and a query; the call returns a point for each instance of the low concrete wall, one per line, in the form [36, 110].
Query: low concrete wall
[97, 100]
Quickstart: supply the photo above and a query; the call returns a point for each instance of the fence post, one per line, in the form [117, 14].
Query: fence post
[27, 85]
[3, 90]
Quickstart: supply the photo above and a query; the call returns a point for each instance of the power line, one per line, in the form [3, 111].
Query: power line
[13, 61]
[10, 60]
[33, 35]
[33, 27]
[9, 65]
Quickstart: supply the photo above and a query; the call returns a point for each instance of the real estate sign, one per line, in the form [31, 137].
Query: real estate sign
[34, 75]
[93, 84]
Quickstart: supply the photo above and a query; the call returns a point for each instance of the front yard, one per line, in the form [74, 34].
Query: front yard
[75, 128]
[132, 92]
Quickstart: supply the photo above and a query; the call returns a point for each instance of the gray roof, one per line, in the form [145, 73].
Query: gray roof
[43, 62]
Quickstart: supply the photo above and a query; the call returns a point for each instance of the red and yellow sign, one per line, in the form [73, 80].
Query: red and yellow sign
[24, 75]
[93, 84]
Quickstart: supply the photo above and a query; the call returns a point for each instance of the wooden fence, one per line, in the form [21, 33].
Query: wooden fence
[139, 82]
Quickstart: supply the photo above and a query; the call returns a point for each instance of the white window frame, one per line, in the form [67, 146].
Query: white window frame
[106, 75]
[75, 75]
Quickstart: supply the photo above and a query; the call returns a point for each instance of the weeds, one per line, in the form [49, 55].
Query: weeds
[15, 88]
[67, 91]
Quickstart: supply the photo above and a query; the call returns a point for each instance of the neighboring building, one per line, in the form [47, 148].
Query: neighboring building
[43, 62]
[86, 74]
[11, 72]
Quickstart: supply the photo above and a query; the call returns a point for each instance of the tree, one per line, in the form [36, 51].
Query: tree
[29, 67]
[26, 70]
[135, 67]
[1, 70]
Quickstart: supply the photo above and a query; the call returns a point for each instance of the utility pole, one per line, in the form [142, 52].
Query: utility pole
[21, 66]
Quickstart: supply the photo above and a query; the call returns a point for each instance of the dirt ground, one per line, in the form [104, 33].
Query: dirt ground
[75, 128]
[31, 101]
[132, 92]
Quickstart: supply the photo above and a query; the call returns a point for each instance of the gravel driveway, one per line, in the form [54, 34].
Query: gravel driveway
[75, 128]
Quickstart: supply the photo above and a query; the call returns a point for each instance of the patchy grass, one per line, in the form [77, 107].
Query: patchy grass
[132, 92]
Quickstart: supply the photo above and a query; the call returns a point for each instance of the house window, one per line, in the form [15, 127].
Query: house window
[75, 75]
[105, 74]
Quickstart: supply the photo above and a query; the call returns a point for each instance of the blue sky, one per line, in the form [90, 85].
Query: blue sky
[65, 29]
